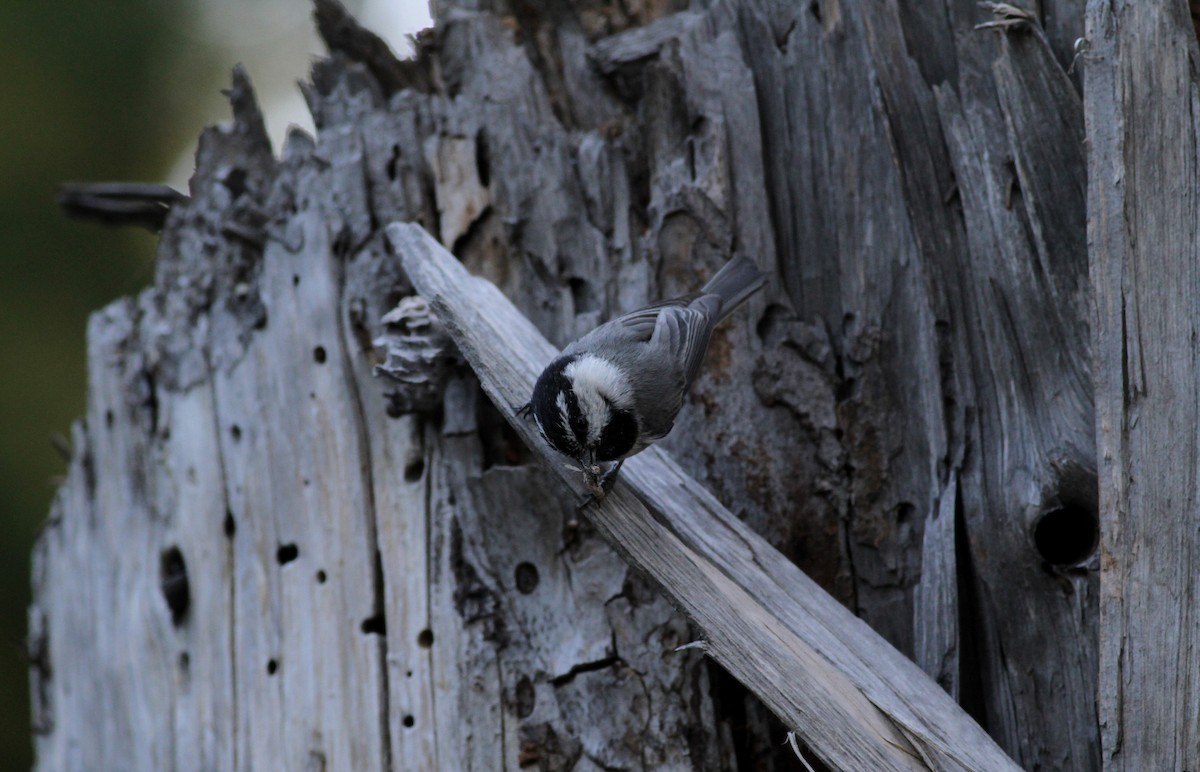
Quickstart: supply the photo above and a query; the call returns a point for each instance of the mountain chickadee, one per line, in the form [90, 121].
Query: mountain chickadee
[618, 388]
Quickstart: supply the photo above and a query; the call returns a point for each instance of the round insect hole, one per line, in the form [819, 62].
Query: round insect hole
[1067, 536]
[286, 553]
[425, 638]
[321, 577]
[272, 666]
[526, 575]
[414, 470]
[408, 721]
[319, 355]
[235, 431]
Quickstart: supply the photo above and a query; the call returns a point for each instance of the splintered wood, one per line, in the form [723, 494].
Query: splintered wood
[854, 699]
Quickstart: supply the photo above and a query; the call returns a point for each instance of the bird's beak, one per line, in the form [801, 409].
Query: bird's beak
[592, 480]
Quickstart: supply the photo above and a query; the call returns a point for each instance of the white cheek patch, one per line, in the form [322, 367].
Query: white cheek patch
[564, 417]
[597, 382]
[593, 374]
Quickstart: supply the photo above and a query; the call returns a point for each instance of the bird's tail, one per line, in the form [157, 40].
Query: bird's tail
[734, 283]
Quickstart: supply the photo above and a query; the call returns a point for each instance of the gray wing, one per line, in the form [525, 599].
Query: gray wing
[681, 334]
[674, 335]
[635, 326]
[673, 356]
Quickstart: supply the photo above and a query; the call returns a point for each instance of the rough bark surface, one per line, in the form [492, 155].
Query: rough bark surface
[260, 559]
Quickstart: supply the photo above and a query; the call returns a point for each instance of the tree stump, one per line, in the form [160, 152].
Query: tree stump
[264, 557]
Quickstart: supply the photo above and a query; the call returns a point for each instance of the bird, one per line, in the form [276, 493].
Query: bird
[616, 390]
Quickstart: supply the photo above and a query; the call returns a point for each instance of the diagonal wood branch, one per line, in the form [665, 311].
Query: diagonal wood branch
[853, 698]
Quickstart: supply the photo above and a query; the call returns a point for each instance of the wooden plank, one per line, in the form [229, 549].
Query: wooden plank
[1142, 102]
[854, 699]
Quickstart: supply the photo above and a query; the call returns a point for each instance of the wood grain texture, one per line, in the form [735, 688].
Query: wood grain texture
[1142, 101]
[901, 413]
[351, 605]
[862, 705]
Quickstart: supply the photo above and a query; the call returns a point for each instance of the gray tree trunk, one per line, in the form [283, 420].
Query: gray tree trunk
[264, 557]
[1142, 106]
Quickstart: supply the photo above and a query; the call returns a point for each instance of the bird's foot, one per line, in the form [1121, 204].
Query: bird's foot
[599, 485]
[609, 478]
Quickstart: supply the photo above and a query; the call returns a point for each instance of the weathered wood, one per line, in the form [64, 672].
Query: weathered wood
[905, 412]
[856, 701]
[350, 603]
[1142, 103]
[958, 330]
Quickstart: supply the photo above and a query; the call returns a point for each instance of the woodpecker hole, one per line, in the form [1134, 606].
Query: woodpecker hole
[272, 666]
[319, 355]
[414, 470]
[173, 580]
[1067, 536]
[526, 575]
[287, 553]
[375, 625]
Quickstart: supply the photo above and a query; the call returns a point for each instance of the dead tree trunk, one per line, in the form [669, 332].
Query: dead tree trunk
[1143, 203]
[266, 558]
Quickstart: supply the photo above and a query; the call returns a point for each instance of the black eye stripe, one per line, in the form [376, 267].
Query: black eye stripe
[579, 425]
[550, 385]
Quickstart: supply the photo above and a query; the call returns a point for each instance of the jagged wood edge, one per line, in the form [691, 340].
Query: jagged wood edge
[853, 698]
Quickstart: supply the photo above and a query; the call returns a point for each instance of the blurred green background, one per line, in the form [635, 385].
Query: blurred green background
[94, 91]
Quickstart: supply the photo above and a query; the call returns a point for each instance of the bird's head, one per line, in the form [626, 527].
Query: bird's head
[583, 405]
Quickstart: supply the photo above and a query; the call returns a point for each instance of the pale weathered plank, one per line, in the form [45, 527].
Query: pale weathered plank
[1142, 105]
[856, 701]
